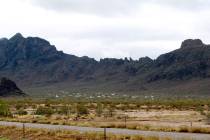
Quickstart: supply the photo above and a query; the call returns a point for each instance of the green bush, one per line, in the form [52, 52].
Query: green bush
[208, 118]
[81, 109]
[64, 110]
[22, 112]
[200, 109]
[19, 106]
[4, 109]
[44, 111]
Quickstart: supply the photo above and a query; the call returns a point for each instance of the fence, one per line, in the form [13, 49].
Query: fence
[76, 137]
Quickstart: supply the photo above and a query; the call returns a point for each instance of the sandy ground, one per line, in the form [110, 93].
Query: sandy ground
[154, 118]
[172, 118]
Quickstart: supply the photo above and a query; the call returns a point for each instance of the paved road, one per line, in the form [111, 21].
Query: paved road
[173, 135]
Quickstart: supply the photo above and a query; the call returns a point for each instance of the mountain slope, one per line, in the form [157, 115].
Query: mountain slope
[37, 66]
[191, 60]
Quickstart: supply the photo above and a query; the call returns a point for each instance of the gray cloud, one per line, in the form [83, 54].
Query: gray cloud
[185, 4]
[98, 7]
[116, 7]
[128, 34]
[109, 28]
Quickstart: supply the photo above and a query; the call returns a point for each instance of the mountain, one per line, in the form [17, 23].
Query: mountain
[190, 61]
[9, 88]
[38, 67]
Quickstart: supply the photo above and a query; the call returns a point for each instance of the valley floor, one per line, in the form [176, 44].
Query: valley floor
[161, 118]
[157, 120]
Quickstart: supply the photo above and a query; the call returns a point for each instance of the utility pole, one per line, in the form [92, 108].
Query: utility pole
[23, 130]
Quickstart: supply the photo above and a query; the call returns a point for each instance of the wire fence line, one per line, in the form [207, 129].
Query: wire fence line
[75, 137]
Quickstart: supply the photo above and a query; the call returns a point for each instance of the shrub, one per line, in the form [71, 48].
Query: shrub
[111, 111]
[183, 129]
[34, 121]
[208, 118]
[196, 130]
[4, 109]
[64, 110]
[18, 106]
[81, 109]
[44, 111]
[22, 112]
[200, 109]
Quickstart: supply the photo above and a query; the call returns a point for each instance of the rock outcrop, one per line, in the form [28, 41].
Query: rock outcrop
[191, 43]
[9, 88]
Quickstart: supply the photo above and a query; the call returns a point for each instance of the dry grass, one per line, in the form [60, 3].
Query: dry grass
[13, 133]
[159, 115]
[195, 130]
[119, 124]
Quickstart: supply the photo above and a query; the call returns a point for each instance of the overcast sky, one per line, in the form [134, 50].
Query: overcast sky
[108, 28]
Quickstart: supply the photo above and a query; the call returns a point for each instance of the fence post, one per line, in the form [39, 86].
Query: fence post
[104, 133]
[23, 130]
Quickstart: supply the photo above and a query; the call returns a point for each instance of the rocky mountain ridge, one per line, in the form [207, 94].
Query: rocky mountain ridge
[34, 62]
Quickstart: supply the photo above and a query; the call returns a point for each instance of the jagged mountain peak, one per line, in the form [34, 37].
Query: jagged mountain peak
[30, 45]
[17, 36]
